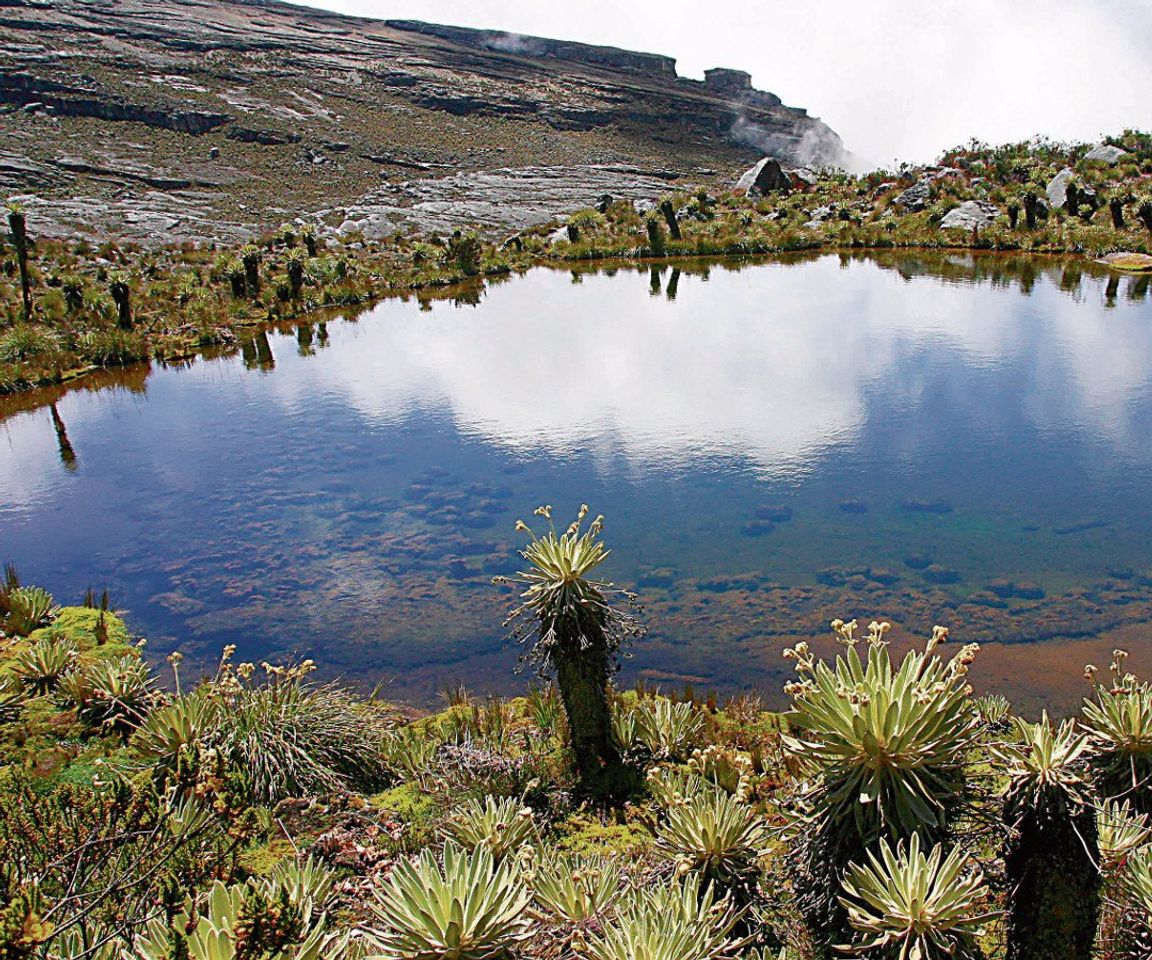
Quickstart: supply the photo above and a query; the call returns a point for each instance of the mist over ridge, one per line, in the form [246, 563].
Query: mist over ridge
[897, 83]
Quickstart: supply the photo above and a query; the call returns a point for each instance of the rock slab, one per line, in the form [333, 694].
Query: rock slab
[972, 214]
[1106, 153]
[1057, 189]
[916, 197]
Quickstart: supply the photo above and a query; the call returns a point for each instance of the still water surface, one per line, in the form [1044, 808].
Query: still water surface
[923, 439]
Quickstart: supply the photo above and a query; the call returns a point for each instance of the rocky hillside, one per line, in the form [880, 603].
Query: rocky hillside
[194, 119]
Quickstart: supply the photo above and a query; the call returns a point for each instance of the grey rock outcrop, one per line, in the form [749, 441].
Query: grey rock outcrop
[766, 177]
[727, 80]
[504, 199]
[1106, 153]
[36, 94]
[738, 85]
[268, 138]
[802, 178]
[515, 43]
[1057, 189]
[916, 197]
[313, 109]
[972, 214]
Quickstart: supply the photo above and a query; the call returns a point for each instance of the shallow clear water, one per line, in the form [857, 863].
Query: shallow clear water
[926, 439]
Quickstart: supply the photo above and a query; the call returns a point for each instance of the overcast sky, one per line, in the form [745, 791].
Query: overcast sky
[897, 79]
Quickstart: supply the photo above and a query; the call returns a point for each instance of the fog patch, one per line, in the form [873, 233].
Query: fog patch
[818, 147]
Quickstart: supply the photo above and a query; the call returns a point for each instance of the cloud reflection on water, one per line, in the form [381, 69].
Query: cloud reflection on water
[773, 363]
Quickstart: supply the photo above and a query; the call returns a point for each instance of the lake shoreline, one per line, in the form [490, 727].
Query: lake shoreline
[445, 285]
[68, 307]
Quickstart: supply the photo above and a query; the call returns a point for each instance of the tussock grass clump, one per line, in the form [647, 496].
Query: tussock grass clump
[282, 737]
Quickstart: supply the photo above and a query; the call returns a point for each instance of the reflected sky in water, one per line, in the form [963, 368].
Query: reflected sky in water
[922, 438]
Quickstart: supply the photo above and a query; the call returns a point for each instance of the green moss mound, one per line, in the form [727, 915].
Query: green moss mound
[97, 634]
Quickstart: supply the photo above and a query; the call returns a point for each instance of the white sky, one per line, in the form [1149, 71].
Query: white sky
[897, 79]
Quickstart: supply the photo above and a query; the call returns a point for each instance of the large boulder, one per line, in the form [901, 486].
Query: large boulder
[1057, 189]
[766, 177]
[1106, 153]
[803, 178]
[970, 215]
[916, 197]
